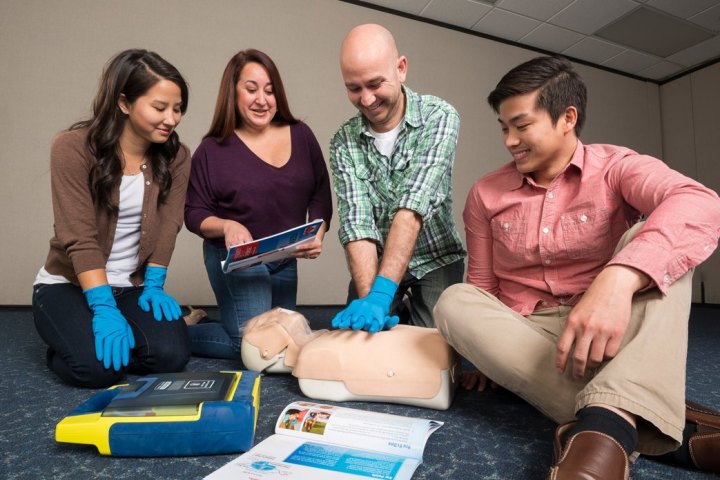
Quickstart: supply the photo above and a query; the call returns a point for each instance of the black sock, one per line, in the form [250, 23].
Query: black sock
[598, 419]
[681, 456]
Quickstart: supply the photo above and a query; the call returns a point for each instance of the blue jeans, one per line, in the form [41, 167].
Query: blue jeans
[64, 321]
[241, 295]
[424, 293]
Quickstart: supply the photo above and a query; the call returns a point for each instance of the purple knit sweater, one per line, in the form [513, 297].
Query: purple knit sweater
[229, 181]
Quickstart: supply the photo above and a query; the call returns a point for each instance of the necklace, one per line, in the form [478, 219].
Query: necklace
[138, 169]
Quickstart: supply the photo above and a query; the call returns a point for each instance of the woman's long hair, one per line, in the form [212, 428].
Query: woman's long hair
[227, 117]
[130, 73]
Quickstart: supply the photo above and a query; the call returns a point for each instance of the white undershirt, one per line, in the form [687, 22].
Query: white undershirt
[125, 250]
[385, 141]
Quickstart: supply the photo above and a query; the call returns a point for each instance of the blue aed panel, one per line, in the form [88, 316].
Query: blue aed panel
[177, 414]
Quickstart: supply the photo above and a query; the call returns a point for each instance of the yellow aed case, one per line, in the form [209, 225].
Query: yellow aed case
[175, 414]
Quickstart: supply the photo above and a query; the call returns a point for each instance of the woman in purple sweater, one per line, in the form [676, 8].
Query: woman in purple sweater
[258, 171]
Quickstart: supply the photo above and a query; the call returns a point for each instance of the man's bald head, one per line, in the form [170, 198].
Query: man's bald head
[373, 73]
[369, 42]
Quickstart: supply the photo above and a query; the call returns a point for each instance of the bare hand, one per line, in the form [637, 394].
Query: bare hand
[597, 324]
[309, 250]
[476, 380]
[235, 233]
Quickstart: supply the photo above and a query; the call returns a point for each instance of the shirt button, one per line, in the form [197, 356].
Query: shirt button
[548, 261]
[666, 279]
[545, 230]
[147, 183]
[506, 226]
[550, 195]
[583, 218]
[144, 166]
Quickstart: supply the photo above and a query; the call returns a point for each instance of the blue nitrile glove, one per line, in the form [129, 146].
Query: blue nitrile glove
[370, 313]
[163, 305]
[113, 337]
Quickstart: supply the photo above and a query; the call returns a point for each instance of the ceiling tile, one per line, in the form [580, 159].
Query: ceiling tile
[653, 39]
[699, 53]
[507, 25]
[709, 19]
[631, 61]
[408, 6]
[540, 10]
[654, 32]
[587, 16]
[684, 8]
[463, 13]
[593, 50]
[552, 38]
[661, 70]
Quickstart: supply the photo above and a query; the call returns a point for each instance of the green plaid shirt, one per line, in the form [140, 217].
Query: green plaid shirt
[371, 187]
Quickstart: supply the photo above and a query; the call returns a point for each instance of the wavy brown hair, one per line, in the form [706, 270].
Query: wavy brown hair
[227, 117]
[130, 73]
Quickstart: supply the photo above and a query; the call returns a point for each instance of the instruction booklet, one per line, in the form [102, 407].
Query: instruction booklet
[270, 249]
[325, 442]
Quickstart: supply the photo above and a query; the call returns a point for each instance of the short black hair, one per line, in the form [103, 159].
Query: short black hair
[559, 84]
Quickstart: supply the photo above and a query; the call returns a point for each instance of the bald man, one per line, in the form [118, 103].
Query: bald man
[392, 166]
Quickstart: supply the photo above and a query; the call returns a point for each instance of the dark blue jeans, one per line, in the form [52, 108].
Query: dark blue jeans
[241, 295]
[424, 293]
[64, 322]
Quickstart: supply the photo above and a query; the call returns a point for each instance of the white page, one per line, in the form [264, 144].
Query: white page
[283, 457]
[324, 442]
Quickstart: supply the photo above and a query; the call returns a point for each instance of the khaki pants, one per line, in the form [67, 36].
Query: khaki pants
[646, 378]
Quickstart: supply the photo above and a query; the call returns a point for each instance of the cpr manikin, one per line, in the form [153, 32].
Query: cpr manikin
[407, 364]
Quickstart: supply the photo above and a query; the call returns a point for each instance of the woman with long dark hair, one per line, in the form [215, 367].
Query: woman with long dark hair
[258, 171]
[118, 188]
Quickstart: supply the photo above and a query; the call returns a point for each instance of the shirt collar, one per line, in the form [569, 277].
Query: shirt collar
[577, 161]
[412, 116]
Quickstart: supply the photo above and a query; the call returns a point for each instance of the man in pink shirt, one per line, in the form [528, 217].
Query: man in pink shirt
[572, 301]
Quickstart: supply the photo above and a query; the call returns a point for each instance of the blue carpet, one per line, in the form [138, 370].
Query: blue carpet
[492, 435]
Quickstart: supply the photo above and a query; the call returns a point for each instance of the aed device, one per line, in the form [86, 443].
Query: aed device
[174, 414]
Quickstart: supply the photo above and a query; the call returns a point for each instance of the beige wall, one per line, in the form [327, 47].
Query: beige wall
[52, 53]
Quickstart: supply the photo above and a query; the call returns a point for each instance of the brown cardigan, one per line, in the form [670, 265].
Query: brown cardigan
[84, 233]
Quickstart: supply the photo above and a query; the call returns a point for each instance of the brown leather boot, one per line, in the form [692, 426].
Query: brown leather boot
[588, 456]
[704, 445]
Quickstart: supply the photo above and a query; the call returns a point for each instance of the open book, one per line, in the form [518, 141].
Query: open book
[270, 249]
[324, 442]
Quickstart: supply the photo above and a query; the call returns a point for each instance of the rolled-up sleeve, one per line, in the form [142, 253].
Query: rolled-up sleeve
[355, 211]
[683, 219]
[429, 182]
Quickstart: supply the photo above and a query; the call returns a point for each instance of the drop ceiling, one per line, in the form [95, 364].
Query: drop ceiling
[655, 40]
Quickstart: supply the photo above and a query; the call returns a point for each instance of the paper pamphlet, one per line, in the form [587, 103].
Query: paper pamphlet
[270, 249]
[325, 442]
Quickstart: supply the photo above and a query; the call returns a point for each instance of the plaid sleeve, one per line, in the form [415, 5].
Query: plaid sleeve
[355, 212]
[428, 183]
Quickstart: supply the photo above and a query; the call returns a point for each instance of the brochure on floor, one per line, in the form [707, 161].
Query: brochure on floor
[326, 442]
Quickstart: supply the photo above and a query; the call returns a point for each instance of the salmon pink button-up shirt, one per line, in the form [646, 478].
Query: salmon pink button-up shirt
[535, 247]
